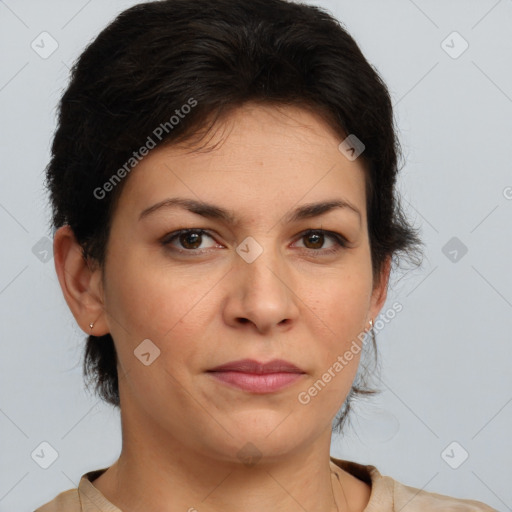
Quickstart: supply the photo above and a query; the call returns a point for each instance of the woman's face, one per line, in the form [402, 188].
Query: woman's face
[257, 286]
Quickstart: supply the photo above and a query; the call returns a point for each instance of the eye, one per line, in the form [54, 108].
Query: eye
[315, 239]
[189, 239]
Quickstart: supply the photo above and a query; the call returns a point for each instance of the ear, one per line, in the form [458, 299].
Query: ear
[380, 290]
[80, 282]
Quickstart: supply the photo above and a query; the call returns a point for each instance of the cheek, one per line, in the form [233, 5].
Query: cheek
[150, 298]
[337, 355]
[340, 311]
[165, 306]
[341, 305]
[147, 304]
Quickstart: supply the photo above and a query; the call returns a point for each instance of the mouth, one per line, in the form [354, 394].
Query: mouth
[256, 377]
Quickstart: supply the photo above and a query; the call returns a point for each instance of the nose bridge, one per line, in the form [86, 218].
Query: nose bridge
[260, 266]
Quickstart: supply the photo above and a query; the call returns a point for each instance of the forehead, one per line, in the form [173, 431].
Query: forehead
[258, 157]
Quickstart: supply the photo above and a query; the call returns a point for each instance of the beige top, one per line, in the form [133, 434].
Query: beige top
[387, 495]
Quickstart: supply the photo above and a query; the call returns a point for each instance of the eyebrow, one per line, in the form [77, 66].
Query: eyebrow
[212, 211]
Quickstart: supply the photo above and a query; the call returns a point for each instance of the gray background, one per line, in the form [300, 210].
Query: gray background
[445, 357]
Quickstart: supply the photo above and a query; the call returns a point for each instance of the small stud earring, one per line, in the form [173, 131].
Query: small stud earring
[91, 326]
[371, 331]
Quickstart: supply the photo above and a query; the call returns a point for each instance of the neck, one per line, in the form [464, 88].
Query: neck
[156, 475]
[160, 471]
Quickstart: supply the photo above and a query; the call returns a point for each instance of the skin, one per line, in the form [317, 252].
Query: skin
[182, 429]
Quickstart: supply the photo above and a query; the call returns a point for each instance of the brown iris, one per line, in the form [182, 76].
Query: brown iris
[318, 240]
[194, 238]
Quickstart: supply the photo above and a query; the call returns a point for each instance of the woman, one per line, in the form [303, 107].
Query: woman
[223, 189]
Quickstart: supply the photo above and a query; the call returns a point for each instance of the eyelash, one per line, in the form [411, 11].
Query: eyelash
[340, 241]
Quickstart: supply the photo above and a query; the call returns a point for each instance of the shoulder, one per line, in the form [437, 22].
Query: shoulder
[389, 495]
[419, 500]
[84, 498]
[66, 501]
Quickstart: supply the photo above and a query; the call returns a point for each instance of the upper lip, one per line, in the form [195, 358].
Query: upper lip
[252, 366]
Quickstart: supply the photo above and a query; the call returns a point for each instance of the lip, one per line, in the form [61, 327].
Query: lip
[253, 366]
[255, 377]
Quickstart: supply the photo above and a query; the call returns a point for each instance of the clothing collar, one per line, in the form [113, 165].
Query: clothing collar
[381, 497]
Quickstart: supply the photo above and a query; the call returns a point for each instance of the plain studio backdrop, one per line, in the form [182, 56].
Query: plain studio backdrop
[444, 417]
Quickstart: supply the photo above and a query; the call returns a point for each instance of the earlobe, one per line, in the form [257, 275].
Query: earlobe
[80, 282]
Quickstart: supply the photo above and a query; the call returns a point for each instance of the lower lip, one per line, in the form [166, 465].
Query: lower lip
[258, 383]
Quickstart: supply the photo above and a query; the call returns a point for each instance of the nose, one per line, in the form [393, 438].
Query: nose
[261, 294]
